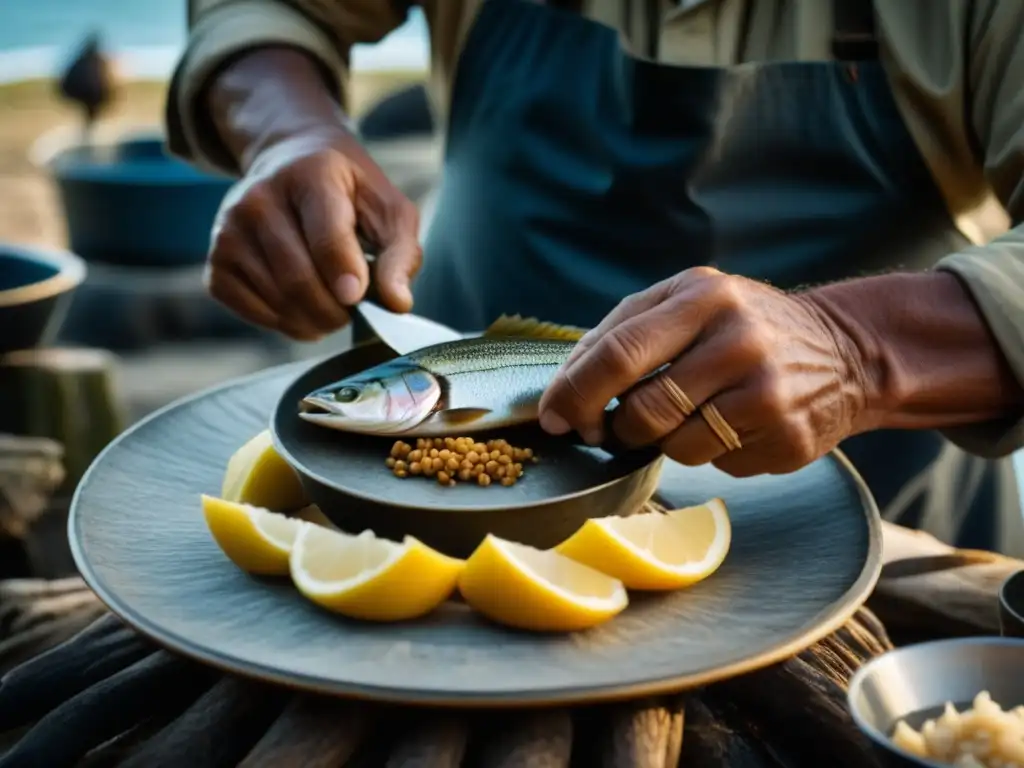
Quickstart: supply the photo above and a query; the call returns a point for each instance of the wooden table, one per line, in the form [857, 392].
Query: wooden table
[80, 688]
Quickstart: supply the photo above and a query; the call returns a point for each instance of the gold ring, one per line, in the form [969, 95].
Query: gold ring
[721, 427]
[676, 395]
[711, 414]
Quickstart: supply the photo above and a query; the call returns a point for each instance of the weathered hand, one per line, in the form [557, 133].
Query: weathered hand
[777, 369]
[285, 252]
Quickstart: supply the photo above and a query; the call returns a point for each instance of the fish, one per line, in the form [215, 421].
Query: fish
[467, 386]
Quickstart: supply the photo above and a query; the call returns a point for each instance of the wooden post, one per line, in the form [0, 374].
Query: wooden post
[66, 395]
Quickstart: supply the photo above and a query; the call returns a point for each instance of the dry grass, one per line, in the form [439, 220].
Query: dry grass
[29, 210]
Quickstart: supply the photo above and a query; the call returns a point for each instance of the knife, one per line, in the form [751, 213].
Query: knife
[404, 333]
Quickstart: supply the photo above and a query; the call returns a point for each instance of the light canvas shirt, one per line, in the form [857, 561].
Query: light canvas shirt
[956, 67]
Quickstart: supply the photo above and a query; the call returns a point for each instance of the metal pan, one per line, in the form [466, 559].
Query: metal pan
[345, 476]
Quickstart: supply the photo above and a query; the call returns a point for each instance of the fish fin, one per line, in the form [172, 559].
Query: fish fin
[458, 417]
[531, 327]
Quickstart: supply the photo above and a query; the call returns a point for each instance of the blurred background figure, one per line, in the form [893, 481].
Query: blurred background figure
[90, 81]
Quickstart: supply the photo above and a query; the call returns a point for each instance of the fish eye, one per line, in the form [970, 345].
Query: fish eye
[346, 395]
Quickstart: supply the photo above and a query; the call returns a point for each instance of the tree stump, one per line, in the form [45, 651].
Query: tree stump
[66, 395]
[64, 399]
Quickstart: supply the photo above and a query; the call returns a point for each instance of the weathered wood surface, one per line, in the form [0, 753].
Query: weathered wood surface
[36, 615]
[31, 469]
[107, 697]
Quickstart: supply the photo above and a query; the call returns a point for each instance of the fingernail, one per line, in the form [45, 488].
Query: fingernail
[403, 294]
[553, 424]
[592, 436]
[347, 290]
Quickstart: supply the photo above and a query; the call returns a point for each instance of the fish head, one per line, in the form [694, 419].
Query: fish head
[388, 399]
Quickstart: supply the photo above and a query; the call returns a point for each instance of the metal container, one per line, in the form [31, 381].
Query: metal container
[1011, 606]
[915, 682]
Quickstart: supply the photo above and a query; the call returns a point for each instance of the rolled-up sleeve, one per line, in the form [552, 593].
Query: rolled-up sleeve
[994, 273]
[220, 30]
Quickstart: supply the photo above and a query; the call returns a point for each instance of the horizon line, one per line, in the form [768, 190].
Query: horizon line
[156, 62]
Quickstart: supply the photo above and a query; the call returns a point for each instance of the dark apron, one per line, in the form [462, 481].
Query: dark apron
[576, 174]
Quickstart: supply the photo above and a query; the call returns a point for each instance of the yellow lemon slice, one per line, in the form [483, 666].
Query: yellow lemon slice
[539, 590]
[257, 475]
[254, 539]
[364, 577]
[655, 551]
[312, 514]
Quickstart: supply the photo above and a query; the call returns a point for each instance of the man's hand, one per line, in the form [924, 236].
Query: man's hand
[285, 254]
[784, 376]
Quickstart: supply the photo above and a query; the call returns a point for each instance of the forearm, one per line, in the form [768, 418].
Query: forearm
[924, 353]
[269, 95]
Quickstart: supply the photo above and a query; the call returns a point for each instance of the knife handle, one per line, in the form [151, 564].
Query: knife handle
[611, 443]
[362, 332]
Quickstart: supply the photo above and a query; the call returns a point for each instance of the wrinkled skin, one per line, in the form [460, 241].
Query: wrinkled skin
[285, 253]
[779, 371]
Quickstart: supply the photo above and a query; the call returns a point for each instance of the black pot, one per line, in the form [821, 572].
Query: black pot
[36, 286]
[133, 204]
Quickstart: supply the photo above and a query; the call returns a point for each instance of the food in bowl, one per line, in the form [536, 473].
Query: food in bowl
[982, 736]
[453, 459]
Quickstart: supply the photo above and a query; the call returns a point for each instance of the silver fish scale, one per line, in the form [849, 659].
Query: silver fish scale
[485, 354]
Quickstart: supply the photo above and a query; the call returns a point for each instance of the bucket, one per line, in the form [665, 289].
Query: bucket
[131, 203]
[36, 286]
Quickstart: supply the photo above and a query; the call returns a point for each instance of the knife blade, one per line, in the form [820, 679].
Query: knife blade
[404, 333]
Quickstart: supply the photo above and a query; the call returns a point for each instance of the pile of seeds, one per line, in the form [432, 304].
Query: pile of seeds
[453, 459]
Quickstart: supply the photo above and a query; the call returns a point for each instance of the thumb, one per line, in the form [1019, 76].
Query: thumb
[399, 261]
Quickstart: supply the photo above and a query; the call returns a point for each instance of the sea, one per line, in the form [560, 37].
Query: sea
[38, 36]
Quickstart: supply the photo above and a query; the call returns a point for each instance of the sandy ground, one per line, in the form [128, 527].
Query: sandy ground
[29, 209]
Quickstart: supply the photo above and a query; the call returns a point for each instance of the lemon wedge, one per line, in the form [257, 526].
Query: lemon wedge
[655, 551]
[313, 514]
[364, 577]
[538, 590]
[254, 539]
[257, 475]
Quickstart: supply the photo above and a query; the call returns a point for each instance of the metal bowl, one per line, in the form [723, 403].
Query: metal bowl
[344, 474]
[1011, 606]
[35, 290]
[915, 682]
